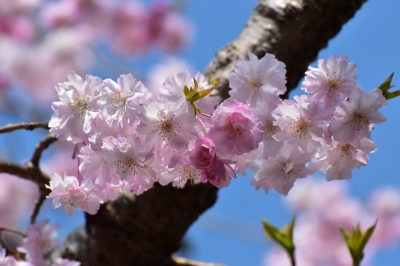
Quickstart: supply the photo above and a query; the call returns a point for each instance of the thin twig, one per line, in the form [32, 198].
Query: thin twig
[26, 126]
[43, 145]
[34, 162]
[12, 231]
[31, 170]
[42, 197]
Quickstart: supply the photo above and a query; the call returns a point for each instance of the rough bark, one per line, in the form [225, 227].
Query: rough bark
[148, 229]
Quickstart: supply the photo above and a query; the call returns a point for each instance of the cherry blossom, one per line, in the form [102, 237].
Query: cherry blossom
[354, 118]
[180, 175]
[235, 128]
[251, 79]
[300, 121]
[39, 241]
[203, 156]
[339, 159]
[333, 78]
[174, 85]
[131, 138]
[80, 103]
[282, 171]
[167, 121]
[67, 191]
[129, 159]
[125, 98]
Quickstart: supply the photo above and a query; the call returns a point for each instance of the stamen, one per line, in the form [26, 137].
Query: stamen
[334, 84]
[361, 121]
[118, 100]
[254, 83]
[127, 166]
[346, 150]
[300, 129]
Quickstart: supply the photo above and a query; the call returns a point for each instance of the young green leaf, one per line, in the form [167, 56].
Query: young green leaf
[283, 237]
[386, 86]
[356, 242]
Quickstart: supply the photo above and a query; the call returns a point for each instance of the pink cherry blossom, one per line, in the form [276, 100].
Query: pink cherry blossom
[130, 159]
[333, 78]
[94, 167]
[74, 114]
[39, 241]
[167, 121]
[180, 175]
[235, 128]
[265, 109]
[354, 118]
[67, 191]
[300, 121]
[281, 171]
[174, 85]
[215, 170]
[124, 98]
[251, 79]
[203, 154]
[339, 159]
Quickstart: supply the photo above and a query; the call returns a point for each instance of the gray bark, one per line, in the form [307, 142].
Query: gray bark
[148, 230]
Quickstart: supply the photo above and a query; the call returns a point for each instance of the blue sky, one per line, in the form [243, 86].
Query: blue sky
[231, 232]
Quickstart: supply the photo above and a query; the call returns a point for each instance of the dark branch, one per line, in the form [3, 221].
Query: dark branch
[26, 126]
[41, 147]
[294, 31]
[31, 170]
[42, 197]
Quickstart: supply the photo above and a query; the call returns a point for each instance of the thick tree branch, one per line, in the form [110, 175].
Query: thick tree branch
[293, 30]
[148, 229]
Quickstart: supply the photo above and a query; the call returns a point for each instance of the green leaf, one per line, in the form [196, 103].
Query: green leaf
[282, 237]
[356, 242]
[367, 235]
[204, 93]
[391, 95]
[387, 84]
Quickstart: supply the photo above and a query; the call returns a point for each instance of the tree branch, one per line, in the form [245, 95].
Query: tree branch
[31, 170]
[148, 230]
[26, 126]
[41, 147]
[294, 31]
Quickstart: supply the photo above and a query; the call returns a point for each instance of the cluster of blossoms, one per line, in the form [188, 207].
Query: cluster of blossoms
[39, 240]
[129, 138]
[38, 37]
[323, 208]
